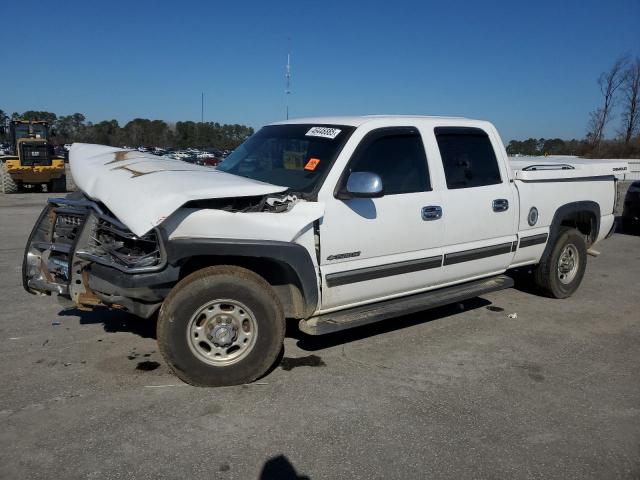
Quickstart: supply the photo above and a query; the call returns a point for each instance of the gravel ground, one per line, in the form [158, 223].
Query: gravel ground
[457, 392]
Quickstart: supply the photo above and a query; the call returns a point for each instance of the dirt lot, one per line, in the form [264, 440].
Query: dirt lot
[458, 392]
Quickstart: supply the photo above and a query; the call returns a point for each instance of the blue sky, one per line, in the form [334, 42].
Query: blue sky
[530, 67]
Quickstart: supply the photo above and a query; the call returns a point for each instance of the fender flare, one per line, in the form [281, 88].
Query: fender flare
[566, 210]
[294, 255]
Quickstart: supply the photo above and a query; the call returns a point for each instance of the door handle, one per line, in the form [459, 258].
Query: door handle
[431, 212]
[500, 205]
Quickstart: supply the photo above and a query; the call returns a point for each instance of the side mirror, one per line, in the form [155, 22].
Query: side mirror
[362, 185]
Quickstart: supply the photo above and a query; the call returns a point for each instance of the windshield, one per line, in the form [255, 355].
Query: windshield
[294, 156]
[37, 130]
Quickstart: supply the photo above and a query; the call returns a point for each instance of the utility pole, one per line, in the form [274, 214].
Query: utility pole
[287, 78]
[202, 108]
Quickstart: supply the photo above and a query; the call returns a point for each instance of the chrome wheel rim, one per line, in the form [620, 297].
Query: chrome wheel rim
[568, 264]
[222, 332]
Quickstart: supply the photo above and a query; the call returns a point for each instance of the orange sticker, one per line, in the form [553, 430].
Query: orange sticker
[312, 164]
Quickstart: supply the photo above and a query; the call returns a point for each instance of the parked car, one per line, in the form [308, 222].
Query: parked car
[209, 161]
[336, 222]
[631, 211]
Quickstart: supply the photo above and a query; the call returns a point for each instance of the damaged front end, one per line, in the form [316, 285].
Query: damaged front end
[81, 252]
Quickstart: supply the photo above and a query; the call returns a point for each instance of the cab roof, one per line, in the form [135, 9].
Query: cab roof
[357, 120]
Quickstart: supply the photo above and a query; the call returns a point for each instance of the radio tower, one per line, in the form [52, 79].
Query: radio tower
[287, 78]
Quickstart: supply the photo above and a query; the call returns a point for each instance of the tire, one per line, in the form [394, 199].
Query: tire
[7, 183]
[560, 272]
[629, 225]
[225, 304]
[58, 185]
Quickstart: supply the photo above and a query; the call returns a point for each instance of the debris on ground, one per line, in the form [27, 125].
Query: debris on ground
[513, 315]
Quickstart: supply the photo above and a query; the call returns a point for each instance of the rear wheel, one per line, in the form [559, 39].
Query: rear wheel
[219, 326]
[560, 272]
[629, 224]
[7, 183]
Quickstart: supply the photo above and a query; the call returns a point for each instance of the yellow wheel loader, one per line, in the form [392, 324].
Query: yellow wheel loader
[31, 159]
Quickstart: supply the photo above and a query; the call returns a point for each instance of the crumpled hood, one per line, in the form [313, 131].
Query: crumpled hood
[142, 189]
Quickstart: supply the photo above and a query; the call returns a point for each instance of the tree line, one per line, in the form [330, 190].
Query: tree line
[608, 148]
[620, 90]
[137, 132]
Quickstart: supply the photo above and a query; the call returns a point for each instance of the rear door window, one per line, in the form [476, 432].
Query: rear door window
[468, 157]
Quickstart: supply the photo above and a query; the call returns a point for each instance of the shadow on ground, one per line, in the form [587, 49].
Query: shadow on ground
[523, 280]
[313, 343]
[280, 468]
[118, 321]
[115, 321]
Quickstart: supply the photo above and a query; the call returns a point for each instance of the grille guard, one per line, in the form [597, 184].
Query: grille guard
[59, 249]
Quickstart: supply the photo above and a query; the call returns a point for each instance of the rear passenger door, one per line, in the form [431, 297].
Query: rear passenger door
[479, 204]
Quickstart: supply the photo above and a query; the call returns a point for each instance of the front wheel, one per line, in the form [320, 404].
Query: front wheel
[220, 326]
[7, 184]
[560, 271]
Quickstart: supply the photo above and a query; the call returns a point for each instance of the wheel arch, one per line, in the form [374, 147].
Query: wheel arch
[583, 216]
[286, 266]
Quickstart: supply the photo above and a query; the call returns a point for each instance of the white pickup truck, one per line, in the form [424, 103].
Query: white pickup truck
[337, 222]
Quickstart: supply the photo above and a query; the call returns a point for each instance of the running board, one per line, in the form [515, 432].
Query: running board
[358, 316]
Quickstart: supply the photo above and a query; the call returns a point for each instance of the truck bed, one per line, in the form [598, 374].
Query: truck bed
[564, 167]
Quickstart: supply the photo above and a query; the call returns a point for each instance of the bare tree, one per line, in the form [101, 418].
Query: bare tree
[631, 92]
[609, 83]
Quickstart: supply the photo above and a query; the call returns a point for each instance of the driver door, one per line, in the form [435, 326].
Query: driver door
[375, 248]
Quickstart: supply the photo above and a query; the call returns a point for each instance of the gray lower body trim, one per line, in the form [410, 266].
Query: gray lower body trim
[599, 178]
[398, 268]
[477, 253]
[533, 240]
[291, 254]
[381, 271]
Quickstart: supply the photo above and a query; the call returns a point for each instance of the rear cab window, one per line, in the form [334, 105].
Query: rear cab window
[468, 158]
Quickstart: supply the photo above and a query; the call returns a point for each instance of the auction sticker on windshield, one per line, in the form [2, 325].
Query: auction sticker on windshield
[324, 132]
[312, 164]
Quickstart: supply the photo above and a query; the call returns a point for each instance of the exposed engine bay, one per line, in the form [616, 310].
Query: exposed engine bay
[120, 248]
[83, 253]
[275, 203]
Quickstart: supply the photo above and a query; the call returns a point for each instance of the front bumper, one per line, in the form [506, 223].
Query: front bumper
[66, 255]
[35, 173]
